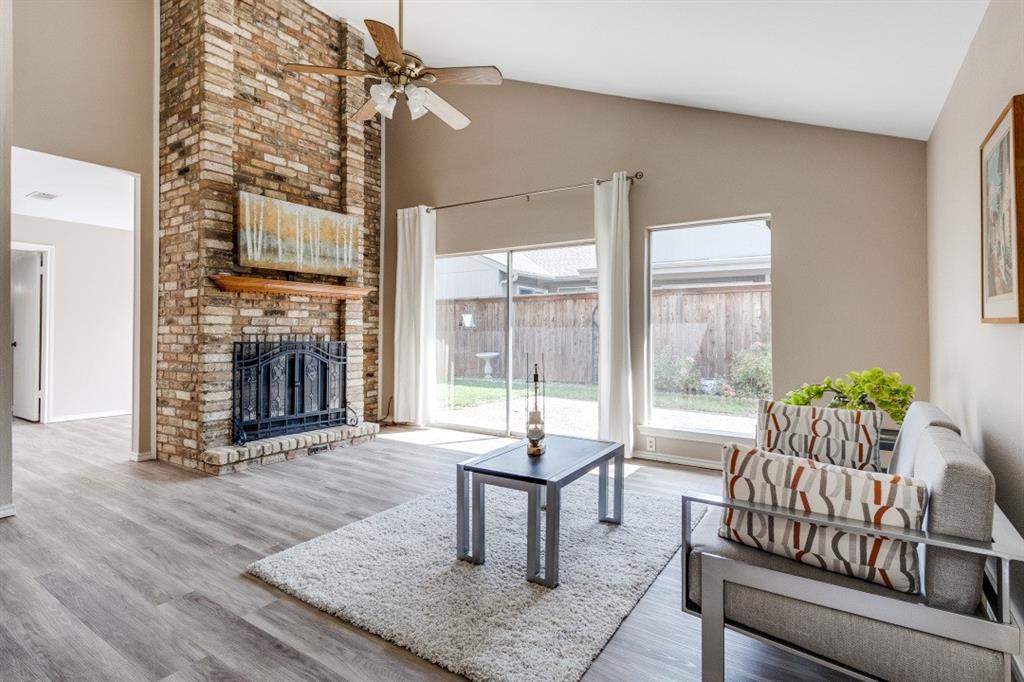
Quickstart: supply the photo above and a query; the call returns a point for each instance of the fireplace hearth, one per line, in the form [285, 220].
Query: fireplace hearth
[288, 387]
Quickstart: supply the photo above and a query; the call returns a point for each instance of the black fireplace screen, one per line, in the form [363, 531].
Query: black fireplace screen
[282, 387]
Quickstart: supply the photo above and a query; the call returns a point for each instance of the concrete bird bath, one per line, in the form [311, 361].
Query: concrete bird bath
[487, 356]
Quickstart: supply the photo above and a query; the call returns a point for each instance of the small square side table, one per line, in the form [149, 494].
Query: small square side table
[543, 477]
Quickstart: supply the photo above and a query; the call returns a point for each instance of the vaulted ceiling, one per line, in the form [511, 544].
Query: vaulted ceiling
[882, 66]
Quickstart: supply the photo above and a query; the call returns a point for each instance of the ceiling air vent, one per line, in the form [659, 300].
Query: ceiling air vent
[42, 196]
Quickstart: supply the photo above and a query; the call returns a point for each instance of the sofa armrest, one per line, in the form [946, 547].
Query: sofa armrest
[1006, 544]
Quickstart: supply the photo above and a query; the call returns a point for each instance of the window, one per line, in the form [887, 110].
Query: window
[478, 321]
[710, 325]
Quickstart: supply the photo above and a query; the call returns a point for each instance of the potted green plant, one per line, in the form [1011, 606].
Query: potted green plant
[872, 389]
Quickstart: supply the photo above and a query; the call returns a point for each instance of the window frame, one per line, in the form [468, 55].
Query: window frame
[644, 420]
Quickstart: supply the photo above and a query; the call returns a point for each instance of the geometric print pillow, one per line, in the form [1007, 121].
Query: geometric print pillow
[794, 483]
[848, 438]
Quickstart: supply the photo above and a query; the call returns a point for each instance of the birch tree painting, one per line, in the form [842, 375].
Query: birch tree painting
[279, 235]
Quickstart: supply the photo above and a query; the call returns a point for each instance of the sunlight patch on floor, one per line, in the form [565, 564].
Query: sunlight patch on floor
[627, 469]
[471, 443]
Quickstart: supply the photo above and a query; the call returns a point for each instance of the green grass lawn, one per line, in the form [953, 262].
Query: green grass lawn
[468, 392]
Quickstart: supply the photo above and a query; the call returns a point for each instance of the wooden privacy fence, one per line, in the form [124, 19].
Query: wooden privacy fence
[709, 324]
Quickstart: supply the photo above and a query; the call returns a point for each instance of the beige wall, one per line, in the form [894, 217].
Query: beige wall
[84, 88]
[6, 369]
[848, 210]
[91, 339]
[977, 370]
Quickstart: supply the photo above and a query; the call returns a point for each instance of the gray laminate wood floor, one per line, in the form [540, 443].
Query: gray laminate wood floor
[114, 570]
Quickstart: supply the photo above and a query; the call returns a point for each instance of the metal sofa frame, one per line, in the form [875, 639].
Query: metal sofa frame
[993, 629]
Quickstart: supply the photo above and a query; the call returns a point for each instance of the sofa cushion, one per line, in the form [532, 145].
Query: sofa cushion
[849, 438]
[920, 416]
[961, 501]
[886, 651]
[754, 475]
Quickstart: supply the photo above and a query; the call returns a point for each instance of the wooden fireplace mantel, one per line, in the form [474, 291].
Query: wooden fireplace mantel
[262, 285]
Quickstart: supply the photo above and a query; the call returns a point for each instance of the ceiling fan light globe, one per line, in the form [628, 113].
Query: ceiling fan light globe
[416, 112]
[386, 108]
[416, 96]
[381, 93]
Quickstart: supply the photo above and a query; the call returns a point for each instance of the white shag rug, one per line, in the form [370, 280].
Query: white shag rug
[395, 574]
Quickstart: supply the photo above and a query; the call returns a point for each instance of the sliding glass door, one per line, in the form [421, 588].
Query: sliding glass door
[472, 341]
[554, 313]
[546, 313]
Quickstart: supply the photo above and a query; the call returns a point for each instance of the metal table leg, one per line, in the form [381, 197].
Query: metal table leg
[533, 501]
[620, 484]
[553, 520]
[478, 520]
[602, 491]
[462, 548]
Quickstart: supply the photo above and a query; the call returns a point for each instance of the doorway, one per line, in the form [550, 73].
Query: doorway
[29, 327]
[74, 238]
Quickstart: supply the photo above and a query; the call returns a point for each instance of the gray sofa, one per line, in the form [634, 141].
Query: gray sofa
[958, 629]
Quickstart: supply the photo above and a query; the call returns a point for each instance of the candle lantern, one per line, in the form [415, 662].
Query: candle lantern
[535, 386]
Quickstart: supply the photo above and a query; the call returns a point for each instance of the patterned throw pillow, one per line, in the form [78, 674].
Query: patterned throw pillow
[754, 475]
[848, 438]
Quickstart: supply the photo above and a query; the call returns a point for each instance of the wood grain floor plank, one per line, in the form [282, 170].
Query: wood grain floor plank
[55, 640]
[243, 646]
[115, 570]
[209, 669]
[125, 621]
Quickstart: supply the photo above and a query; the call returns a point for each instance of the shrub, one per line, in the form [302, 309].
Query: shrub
[674, 373]
[750, 373]
[867, 390]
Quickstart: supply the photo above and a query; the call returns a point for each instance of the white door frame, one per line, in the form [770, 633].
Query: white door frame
[46, 357]
[137, 320]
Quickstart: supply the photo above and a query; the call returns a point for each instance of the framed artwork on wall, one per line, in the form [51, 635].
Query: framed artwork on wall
[1002, 221]
[279, 235]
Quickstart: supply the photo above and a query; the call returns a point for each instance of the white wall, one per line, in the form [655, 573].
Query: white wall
[92, 282]
[977, 370]
[6, 463]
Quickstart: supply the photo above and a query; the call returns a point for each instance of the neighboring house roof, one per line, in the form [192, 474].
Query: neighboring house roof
[560, 263]
[723, 247]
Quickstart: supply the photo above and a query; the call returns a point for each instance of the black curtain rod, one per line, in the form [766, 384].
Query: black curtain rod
[635, 176]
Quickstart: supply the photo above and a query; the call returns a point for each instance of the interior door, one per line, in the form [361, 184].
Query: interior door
[26, 304]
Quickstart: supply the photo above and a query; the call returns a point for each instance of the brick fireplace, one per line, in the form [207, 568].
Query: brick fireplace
[232, 120]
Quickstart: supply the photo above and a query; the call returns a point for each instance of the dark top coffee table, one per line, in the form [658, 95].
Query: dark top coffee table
[543, 478]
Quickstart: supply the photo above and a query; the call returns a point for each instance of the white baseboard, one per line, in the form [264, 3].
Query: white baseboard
[88, 415]
[6, 510]
[683, 460]
[142, 457]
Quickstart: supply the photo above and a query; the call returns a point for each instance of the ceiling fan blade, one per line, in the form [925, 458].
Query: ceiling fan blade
[444, 111]
[365, 112]
[464, 75]
[386, 40]
[329, 70]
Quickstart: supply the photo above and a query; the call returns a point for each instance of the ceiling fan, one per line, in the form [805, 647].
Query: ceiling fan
[402, 72]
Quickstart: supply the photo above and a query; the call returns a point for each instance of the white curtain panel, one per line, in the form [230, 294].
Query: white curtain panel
[414, 316]
[615, 381]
